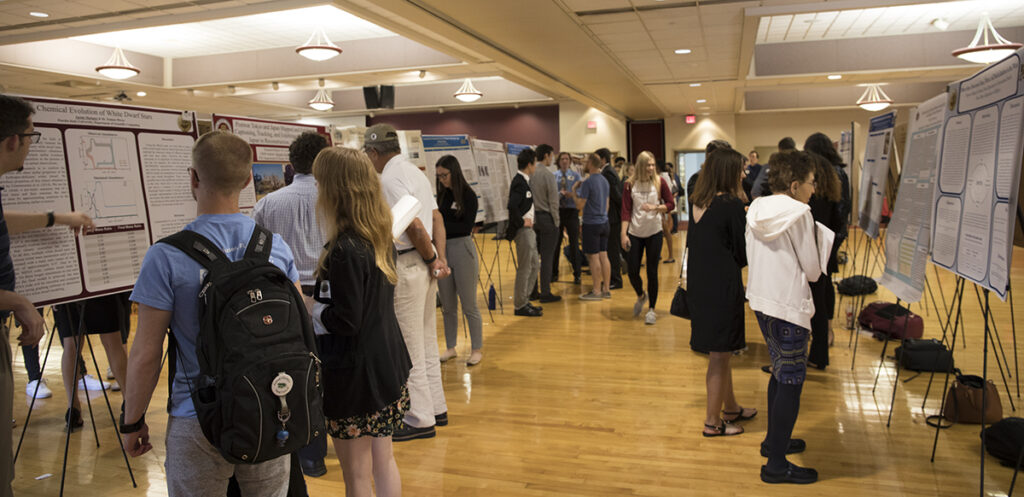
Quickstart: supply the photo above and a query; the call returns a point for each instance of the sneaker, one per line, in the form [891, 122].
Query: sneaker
[651, 317]
[475, 358]
[448, 355]
[606, 295]
[110, 374]
[407, 432]
[590, 296]
[441, 419]
[639, 305]
[44, 391]
[91, 384]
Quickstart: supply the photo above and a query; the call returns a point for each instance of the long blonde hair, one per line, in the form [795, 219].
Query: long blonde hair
[350, 199]
[642, 170]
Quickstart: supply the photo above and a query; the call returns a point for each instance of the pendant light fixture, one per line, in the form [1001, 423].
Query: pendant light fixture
[991, 49]
[318, 47]
[322, 101]
[467, 92]
[117, 66]
[874, 99]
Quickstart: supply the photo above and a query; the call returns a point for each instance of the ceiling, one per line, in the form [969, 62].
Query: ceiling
[237, 56]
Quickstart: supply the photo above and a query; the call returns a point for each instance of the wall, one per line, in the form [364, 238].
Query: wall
[341, 122]
[530, 125]
[575, 137]
[766, 129]
[682, 136]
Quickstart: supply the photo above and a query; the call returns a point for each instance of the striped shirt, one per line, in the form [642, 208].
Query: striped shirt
[291, 213]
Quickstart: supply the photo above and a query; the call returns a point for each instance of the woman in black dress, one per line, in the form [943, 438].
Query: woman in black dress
[717, 253]
[826, 208]
[365, 361]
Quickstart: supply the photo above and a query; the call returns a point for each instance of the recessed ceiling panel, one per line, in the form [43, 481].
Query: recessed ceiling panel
[289, 28]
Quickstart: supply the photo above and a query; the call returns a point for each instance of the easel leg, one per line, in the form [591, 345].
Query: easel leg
[32, 403]
[958, 296]
[113, 420]
[986, 310]
[881, 358]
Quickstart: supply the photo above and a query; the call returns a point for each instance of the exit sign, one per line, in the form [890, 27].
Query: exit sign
[691, 119]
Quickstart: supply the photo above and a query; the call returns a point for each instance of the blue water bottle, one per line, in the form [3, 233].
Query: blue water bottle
[492, 298]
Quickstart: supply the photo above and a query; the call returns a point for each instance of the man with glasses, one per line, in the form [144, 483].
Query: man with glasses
[17, 134]
[421, 261]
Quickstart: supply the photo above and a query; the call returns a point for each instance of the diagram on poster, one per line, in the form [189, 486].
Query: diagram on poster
[875, 173]
[126, 168]
[437, 146]
[908, 238]
[978, 173]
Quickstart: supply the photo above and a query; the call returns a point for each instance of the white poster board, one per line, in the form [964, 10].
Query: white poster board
[411, 142]
[493, 178]
[875, 173]
[908, 238]
[437, 146]
[513, 149]
[979, 170]
[126, 167]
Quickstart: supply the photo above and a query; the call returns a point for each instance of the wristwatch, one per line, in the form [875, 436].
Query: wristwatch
[50, 219]
[132, 428]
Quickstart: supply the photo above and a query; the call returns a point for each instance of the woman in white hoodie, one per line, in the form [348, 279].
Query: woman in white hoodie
[784, 252]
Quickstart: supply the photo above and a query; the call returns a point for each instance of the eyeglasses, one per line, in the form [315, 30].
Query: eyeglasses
[33, 136]
[443, 175]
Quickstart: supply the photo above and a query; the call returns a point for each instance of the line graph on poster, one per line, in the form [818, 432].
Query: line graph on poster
[101, 153]
[108, 198]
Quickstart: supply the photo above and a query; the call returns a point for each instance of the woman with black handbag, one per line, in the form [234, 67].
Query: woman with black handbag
[716, 255]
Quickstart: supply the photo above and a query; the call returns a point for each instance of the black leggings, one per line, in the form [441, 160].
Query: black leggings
[637, 246]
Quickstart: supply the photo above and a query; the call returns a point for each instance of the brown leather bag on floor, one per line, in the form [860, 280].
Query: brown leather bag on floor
[963, 401]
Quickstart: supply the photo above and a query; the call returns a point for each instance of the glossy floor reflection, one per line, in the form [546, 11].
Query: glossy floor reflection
[588, 401]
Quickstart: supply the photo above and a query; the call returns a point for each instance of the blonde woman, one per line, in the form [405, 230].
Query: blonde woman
[645, 198]
[365, 361]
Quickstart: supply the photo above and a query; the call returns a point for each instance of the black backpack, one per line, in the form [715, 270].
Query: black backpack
[857, 285]
[258, 392]
[924, 355]
[1005, 440]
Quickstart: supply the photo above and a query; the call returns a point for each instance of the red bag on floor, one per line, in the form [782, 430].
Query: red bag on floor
[897, 322]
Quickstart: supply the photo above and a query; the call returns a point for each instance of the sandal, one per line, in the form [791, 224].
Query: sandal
[739, 415]
[722, 430]
[668, 261]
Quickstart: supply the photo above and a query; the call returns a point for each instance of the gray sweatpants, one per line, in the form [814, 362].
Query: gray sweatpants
[196, 469]
[461, 286]
[529, 265]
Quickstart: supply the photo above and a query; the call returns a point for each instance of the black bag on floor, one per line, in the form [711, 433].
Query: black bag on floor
[924, 355]
[857, 285]
[1005, 440]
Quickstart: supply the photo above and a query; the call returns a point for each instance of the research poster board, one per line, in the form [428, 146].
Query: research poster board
[493, 178]
[846, 146]
[975, 199]
[908, 238]
[875, 172]
[411, 142]
[513, 149]
[269, 141]
[437, 146]
[124, 166]
[350, 136]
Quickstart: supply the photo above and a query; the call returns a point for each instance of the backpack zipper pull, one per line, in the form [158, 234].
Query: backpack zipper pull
[252, 296]
[202, 292]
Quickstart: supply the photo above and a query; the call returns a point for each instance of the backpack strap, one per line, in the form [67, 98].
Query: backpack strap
[198, 247]
[259, 244]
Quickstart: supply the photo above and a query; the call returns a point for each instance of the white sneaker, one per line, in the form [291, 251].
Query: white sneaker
[92, 384]
[651, 317]
[115, 386]
[110, 374]
[44, 391]
[448, 355]
[639, 305]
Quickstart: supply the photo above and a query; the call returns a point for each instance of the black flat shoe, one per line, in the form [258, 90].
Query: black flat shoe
[796, 446]
[544, 299]
[73, 419]
[793, 474]
[441, 419]
[407, 432]
[767, 369]
[528, 311]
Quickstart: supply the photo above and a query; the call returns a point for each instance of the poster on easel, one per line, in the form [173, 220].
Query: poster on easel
[513, 149]
[437, 146]
[125, 167]
[874, 174]
[493, 177]
[269, 141]
[975, 200]
[846, 147]
[908, 238]
[411, 143]
[348, 136]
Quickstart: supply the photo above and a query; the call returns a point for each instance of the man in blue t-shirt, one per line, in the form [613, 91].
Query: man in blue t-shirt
[167, 293]
[592, 197]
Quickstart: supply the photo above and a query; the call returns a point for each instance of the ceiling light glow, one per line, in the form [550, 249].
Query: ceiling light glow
[322, 101]
[467, 92]
[683, 51]
[39, 14]
[834, 77]
[874, 99]
[318, 47]
[694, 85]
[117, 66]
[940, 24]
[993, 48]
[701, 100]
[140, 94]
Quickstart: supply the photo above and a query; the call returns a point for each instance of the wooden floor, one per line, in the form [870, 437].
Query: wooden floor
[588, 401]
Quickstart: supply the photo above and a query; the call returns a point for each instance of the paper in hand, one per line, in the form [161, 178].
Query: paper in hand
[402, 214]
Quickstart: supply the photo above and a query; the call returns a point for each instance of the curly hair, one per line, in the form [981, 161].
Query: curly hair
[786, 167]
[303, 151]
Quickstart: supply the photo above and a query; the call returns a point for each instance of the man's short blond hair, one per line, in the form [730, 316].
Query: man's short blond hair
[223, 160]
